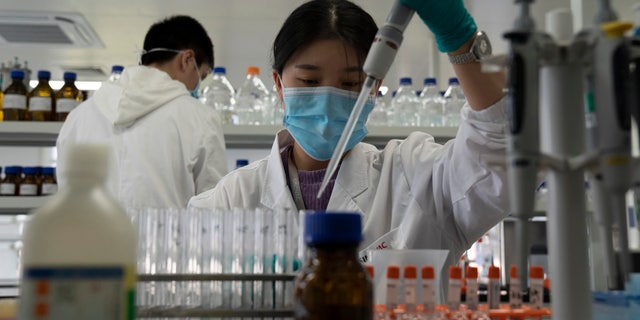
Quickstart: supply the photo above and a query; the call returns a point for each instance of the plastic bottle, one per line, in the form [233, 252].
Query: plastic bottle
[493, 288]
[116, 73]
[431, 110]
[30, 185]
[404, 105]
[14, 103]
[333, 284]
[10, 184]
[410, 290]
[79, 253]
[252, 99]
[276, 107]
[536, 287]
[378, 116]
[49, 183]
[393, 286]
[428, 276]
[68, 97]
[216, 91]
[515, 291]
[41, 98]
[454, 99]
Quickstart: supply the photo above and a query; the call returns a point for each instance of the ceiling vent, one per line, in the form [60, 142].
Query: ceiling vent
[67, 30]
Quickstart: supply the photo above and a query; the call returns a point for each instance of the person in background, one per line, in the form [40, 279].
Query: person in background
[166, 146]
[414, 193]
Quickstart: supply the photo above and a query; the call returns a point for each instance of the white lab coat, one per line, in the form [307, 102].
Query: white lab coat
[166, 145]
[414, 193]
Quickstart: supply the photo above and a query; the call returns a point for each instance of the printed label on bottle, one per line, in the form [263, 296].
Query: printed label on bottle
[28, 190]
[7, 189]
[49, 188]
[77, 293]
[66, 105]
[14, 101]
[40, 104]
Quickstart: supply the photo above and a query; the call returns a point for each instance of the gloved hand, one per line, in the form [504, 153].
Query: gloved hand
[449, 21]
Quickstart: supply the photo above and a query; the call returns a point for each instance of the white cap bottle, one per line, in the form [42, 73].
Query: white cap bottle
[79, 250]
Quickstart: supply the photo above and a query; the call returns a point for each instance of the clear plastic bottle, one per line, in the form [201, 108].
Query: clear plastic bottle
[79, 253]
[41, 98]
[68, 97]
[431, 108]
[14, 103]
[252, 99]
[216, 91]
[116, 73]
[454, 99]
[404, 105]
[378, 117]
[276, 106]
[333, 284]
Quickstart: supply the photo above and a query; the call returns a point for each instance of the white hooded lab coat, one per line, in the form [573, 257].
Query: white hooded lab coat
[413, 194]
[166, 145]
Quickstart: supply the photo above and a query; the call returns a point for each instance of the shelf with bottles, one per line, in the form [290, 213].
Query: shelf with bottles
[15, 205]
[25, 133]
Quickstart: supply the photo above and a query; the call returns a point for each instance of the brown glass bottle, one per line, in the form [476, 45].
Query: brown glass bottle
[68, 97]
[49, 183]
[30, 185]
[333, 284]
[14, 102]
[41, 100]
[10, 185]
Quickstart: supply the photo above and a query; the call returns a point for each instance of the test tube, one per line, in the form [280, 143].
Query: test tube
[471, 292]
[410, 274]
[455, 287]
[493, 288]
[212, 257]
[536, 287]
[515, 293]
[428, 289]
[393, 277]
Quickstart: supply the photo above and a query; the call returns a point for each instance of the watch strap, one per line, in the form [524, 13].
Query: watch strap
[463, 58]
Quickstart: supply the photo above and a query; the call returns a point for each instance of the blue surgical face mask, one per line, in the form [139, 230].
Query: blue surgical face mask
[194, 92]
[316, 117]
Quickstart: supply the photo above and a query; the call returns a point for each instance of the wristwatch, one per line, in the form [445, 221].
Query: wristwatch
[480, 48]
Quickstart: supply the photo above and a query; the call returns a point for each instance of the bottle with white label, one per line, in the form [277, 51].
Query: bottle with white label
[29, 186]
[41, 98]
[14, 103]
[68, 97]
[79, 248]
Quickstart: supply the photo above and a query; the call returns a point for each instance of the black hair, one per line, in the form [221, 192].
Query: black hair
[177, 33]
[324, 19]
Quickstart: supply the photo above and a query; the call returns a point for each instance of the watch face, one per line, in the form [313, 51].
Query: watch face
[482, 46]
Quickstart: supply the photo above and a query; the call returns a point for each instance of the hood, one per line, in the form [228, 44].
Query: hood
[139, 91]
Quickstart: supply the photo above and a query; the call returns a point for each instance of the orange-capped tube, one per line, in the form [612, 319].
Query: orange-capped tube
[410, 273]
[493, 288]
[455, 285]
[515, 291]
[471, 291]
[393, 278]
[428, 289]
[536, 287]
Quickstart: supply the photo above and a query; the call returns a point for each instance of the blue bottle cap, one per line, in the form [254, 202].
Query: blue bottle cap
[13, 170]
[380, 94]
[30, 170]
[69, 76]
[117, 68]
[241, 163]
[220, 70]
[429, 81]
[453, 80]
[49, 170]
[17, 74]
[405, 81]
[44, 74]
[322, 227]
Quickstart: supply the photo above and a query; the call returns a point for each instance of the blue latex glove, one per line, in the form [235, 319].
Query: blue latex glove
[449, 21]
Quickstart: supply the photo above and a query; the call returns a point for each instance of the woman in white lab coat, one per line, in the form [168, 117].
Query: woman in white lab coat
[414, 193]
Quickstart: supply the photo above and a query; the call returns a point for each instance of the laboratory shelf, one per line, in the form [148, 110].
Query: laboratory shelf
[21, 205]
[39, 134]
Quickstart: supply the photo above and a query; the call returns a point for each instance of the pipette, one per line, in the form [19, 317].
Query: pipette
[524, 143]
[379, 59]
